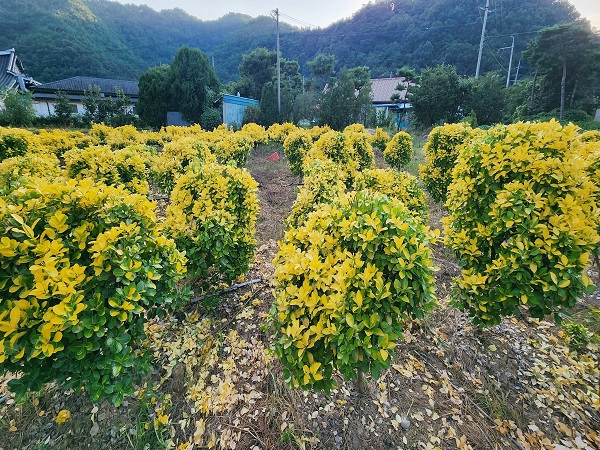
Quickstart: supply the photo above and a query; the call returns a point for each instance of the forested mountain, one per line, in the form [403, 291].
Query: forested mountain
[62, 38]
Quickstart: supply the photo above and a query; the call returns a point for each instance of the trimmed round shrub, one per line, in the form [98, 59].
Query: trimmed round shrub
[57, 142]
[521, 222]
[233, 148]
[399, 150]
[589, 136]
[30, 165]
[356, 128]
[175, 159]
[323, 183]
[211, 118]
[346, 281]
[441, 151]
[399, 185]
[82, 268]
[279, 132]
[295, 147]
[125, 167]
[336, 147]
[316, 132]
[380, 139]
[14, 142]
[361, 144]
[212, 216]
[257, 133]
[589, 150]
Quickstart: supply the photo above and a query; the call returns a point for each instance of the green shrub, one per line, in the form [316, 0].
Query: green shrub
[295, 147]
[212, 216]
[82, 267]
[521, 222]
[399, 150]
[441, 152]
[211, 118]
[345, 282]
[399, 185]
[579, 336]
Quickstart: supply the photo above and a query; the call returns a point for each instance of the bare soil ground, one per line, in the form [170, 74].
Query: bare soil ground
[215, 385]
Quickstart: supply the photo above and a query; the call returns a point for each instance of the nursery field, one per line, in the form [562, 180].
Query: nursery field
[223, 374]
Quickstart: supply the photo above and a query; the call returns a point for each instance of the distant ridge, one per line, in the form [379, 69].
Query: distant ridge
[58, 39]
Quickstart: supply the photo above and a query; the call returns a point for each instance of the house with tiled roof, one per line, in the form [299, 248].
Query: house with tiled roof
[383, 89]
[44, 95]
[12, 72]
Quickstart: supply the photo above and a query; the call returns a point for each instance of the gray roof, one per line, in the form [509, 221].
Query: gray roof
[80, 84]
[12, 73]
[384, 88]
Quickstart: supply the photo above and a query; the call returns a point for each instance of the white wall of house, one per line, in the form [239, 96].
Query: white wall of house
[45, 108]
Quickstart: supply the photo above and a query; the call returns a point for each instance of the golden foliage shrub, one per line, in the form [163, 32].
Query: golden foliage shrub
[212, 216]
[441, 152]
[82, 268]
[346, 280]
[521, 222]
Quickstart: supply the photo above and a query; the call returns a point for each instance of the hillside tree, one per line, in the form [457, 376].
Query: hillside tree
[438, 96]
[191, 80]
[189, 84]
[152, 103]
[569, 53]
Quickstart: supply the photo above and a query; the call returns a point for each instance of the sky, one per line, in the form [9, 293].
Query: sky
[305, 12]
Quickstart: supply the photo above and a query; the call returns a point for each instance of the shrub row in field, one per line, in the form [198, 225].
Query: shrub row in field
[353, 266]
[83, 261]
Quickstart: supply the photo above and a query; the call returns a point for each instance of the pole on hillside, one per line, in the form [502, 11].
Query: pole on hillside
[485, 16]
[512, 49]
[278, 65]
[517, 74]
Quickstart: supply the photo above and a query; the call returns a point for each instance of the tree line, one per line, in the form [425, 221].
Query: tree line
[565, 84]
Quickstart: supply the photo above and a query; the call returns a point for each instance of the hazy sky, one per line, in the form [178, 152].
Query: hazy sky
[314, 12]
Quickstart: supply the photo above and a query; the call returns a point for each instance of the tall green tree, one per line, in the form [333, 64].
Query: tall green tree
[485, 96]
[568, 56]
[191, 78]
[62, 108]
[322, 66]
[152, 103]
[346, 100]
[189, 84]
[269, 113]
[438, 96]
[257, 68]
[269, 110]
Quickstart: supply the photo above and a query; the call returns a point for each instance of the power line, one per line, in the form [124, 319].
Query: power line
[298, 21]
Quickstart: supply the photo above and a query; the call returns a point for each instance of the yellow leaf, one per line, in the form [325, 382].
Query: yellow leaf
[350, 320]
[384, 354]
[63, 416]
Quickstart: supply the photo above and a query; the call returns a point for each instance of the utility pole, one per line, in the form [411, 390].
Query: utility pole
[517, 74]
[512, 49]
[276, 12]
[487, 9]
